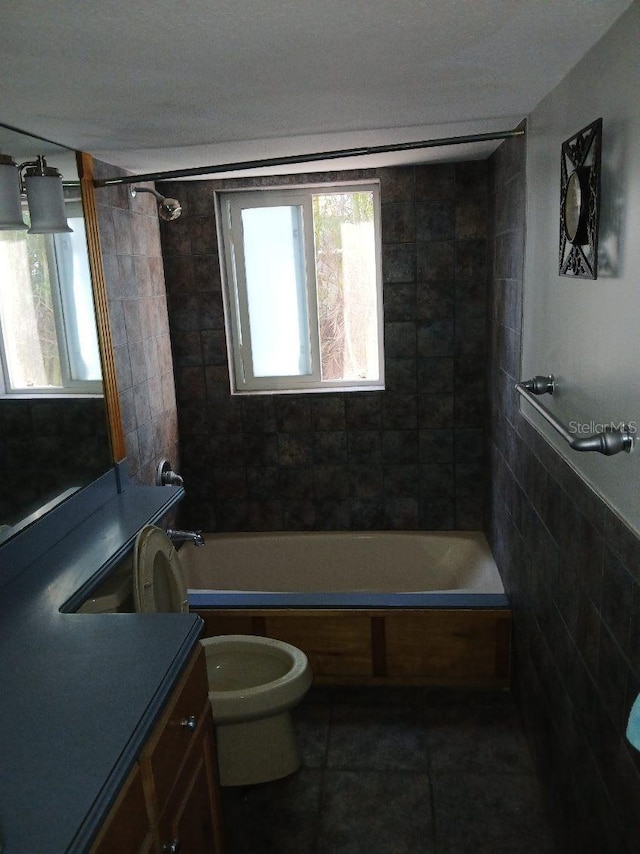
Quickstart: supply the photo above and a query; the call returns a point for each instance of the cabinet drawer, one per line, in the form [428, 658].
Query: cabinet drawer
[175, 731]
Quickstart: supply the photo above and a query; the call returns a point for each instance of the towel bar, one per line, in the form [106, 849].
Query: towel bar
[610, 441]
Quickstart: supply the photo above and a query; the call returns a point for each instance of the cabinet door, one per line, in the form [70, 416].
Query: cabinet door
[191, 822]
[127, 825]
[176, 731]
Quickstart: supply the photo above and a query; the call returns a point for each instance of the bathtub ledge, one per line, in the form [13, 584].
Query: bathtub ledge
[223, 599]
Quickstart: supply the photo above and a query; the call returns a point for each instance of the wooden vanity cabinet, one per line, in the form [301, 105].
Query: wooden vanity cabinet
[171, 801]
[189, 818]
[127, 827]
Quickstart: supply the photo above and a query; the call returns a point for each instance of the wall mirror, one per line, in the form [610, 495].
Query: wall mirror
[55, 428]
[580, 202]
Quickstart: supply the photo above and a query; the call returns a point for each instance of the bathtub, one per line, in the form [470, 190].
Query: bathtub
[330, 568]
[404, 607]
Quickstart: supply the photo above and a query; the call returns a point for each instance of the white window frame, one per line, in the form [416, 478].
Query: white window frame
[229, 205]
[70, 387]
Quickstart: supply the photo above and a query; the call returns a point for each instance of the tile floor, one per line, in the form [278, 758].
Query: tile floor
[389, 771]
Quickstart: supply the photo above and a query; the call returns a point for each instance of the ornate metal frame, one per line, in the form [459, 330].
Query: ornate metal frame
[580, 203]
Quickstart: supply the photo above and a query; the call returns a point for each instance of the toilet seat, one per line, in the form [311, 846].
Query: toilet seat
[158, 582]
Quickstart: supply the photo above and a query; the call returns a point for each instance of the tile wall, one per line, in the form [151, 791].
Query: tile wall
[46, 446]
[130, 240]
[408, 457]
[572, 570]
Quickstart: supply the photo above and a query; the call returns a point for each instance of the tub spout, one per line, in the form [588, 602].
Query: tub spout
[184, 536]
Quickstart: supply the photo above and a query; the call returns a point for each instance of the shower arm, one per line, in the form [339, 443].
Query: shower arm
[135, 190]
[611, 441]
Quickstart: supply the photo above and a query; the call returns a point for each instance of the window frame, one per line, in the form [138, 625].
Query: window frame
[228, 207]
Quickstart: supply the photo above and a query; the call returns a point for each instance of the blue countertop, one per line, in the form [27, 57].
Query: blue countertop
[80, 692]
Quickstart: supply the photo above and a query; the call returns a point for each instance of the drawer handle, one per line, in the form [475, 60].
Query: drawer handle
[172, 847]
[190, 723]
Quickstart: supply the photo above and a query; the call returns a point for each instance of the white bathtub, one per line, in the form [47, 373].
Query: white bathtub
[374, 608]
[326, 566]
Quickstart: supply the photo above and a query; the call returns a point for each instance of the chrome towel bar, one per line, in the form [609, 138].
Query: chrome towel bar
[610, 441]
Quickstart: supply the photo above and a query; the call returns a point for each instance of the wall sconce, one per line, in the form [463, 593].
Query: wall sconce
[42, 185]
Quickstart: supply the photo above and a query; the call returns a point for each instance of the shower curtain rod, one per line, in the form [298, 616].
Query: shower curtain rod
[308, 158]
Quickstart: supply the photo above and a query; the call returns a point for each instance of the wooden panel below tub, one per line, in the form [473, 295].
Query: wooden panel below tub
[458, 644]
[224, 623]
[335, 645]
[377, 647]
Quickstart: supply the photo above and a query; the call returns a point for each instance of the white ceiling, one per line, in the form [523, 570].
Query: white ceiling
[158, 84]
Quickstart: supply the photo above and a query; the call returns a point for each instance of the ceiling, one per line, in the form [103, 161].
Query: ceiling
[154, 85]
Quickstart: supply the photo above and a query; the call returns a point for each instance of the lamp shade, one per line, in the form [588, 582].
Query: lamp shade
[46, 199]
[10, 209]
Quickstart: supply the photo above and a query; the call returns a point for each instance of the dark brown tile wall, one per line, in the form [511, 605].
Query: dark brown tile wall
[572, 571]
[411, 456]
[130, 240]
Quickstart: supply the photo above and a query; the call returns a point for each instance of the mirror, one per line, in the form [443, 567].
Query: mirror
[54, 431]
[580, 202]
[574, 208]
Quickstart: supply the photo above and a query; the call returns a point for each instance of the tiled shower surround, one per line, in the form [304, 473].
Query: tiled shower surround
[572, 571]
[130, 240]
[408, 457]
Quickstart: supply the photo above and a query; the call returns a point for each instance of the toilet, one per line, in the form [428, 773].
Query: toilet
[254, 682]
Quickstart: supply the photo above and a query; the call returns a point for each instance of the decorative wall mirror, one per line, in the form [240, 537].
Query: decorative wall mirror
[59, 417]
[580, 203]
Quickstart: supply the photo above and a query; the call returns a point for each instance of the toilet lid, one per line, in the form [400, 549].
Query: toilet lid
[158, 582]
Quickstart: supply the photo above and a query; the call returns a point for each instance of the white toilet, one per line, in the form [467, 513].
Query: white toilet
[254, 682]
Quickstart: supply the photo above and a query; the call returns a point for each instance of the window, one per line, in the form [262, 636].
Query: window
[48, 338]
[303, 293]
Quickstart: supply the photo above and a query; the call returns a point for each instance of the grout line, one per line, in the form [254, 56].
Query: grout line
[432, 801]
[321, 786]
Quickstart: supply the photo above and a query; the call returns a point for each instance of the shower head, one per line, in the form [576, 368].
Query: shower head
[168, 209]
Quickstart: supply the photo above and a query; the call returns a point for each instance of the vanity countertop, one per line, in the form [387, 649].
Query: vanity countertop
[80, 692]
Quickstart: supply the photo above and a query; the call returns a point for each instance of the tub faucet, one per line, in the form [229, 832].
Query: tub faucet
[183, 536]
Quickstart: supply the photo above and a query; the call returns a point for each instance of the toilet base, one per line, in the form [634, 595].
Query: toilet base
[257, 751]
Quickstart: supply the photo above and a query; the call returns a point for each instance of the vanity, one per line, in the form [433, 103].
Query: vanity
[170, 799]
[106, 733]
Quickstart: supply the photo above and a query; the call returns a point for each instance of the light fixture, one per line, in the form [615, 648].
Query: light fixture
[42, 185]
[10, 208]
